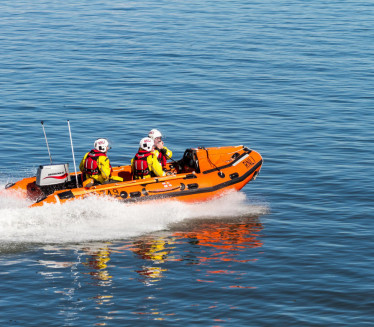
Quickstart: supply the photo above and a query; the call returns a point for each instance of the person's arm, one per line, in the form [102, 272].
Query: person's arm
[81, 165]
[155, 166]
[132, 166]
[166, 152]
[104, 167]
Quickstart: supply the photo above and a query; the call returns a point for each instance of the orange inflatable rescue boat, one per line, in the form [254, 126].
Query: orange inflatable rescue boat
[201, 174]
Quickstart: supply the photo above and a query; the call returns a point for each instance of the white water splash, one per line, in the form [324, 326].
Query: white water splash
[95, 219]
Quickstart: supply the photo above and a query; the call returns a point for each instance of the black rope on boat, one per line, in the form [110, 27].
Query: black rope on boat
[220, 173]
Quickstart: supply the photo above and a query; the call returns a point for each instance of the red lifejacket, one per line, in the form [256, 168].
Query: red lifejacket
[161, 158]
[90, 164]
[140, 164]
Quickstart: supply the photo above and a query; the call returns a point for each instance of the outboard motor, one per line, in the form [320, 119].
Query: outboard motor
[52, 177]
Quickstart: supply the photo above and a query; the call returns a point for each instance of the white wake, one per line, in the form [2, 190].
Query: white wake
[96, 219]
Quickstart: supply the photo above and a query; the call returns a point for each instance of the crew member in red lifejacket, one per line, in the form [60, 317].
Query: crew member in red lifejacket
[95, 164]
[161, 151]
[145, 163]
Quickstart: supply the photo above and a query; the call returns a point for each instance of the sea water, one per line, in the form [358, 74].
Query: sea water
[291, 80]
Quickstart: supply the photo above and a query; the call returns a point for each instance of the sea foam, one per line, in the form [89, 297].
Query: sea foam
[98, 218]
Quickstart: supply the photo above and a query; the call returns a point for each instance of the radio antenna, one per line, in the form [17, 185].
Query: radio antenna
[72, 150]
[45, 136]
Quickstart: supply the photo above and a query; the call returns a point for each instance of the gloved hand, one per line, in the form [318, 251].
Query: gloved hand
[163, 151]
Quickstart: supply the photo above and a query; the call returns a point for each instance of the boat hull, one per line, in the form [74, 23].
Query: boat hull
[202, 174]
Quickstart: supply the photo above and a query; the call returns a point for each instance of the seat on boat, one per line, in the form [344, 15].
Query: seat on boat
[189, 162]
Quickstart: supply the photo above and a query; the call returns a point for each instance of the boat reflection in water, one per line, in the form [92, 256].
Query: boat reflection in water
[96, 261]
[222, 240]
[228, 235]
[66, 269]
[154, 251]
[196, 246]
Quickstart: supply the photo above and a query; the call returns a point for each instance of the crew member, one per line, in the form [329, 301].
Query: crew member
[161, 151]
[145, 163]
[95, 165]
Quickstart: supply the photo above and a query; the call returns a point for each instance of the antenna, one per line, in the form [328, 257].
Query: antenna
[45, 136]
[72, 150]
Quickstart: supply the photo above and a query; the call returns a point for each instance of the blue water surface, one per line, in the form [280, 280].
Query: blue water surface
[292, 80]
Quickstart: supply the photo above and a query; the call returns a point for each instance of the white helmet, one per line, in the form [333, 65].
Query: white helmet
[146, 144]
[102, 145]
[154, 133]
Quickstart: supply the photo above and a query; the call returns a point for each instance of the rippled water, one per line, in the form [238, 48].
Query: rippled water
[292, 80]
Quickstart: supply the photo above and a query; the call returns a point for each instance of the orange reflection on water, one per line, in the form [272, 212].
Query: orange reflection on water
[97, 261]
[229, 237]
[154, 251]
[221, 272]
[227, 241]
